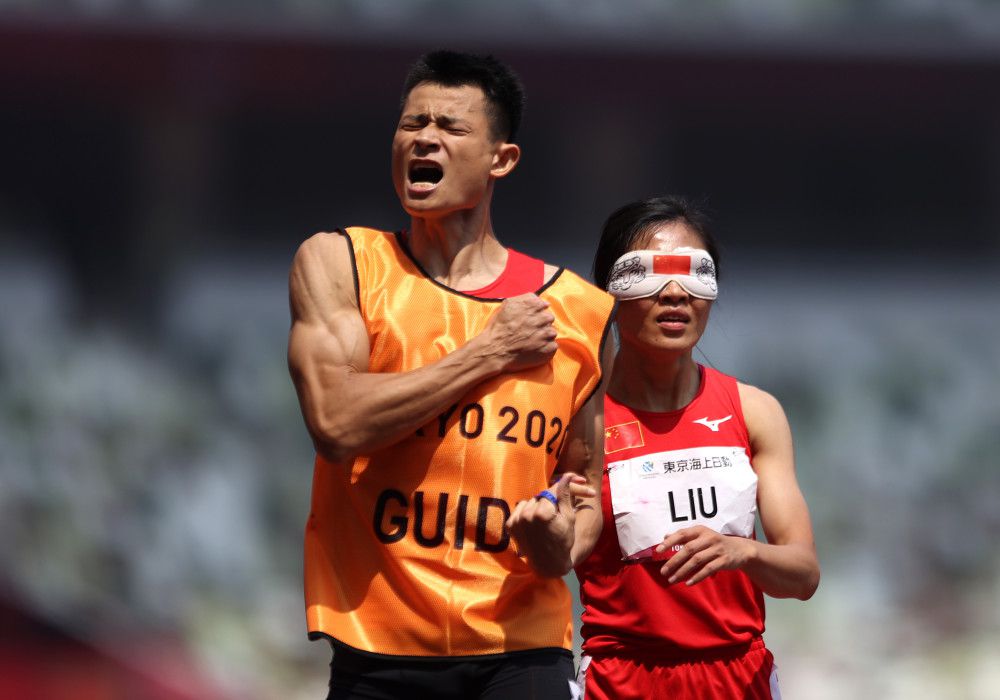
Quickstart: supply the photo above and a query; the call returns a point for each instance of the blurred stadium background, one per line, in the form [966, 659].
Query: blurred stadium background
[160, 160]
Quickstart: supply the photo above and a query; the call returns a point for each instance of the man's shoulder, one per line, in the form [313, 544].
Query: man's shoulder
[551, 272]
[367, 233]
[567, 278]
[319, 247]
[580, 301]
[331, 247]
[352, 238]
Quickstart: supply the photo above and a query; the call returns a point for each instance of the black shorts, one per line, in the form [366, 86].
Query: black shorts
[545, 674]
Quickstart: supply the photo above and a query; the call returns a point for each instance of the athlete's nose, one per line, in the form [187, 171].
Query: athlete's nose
[673, 292]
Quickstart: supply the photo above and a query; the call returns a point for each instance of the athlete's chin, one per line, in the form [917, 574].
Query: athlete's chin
[672, 343]
[674, 334]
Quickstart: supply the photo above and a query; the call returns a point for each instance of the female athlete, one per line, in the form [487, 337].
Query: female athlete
[673, 589]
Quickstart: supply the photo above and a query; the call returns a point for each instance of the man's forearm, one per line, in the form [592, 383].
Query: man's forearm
[350, 413]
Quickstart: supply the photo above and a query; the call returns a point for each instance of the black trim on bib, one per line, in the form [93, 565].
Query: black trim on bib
[406, 249]
[354, 263]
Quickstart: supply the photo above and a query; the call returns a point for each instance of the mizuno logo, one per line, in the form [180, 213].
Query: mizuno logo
[712, 425]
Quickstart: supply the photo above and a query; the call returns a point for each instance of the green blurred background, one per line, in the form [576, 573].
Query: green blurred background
[160, 161]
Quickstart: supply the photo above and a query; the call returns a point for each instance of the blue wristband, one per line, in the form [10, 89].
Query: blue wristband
[548, 496]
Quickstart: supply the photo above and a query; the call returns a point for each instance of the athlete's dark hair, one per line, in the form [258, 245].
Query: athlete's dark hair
[501, 86]
[630, 223]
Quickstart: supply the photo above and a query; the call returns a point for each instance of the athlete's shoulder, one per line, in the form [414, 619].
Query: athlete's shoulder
[713, 375]
[614, 407]
[759, 406]
[749, 392]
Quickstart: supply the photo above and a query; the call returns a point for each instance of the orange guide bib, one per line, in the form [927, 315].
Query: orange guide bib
[406, 551]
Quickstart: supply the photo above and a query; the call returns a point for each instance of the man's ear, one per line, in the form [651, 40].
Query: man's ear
[506, 157]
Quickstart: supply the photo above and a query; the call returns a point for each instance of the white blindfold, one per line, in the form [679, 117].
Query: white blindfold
[643, 273]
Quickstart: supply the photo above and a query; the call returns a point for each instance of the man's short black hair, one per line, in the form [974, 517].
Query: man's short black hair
[501, 86]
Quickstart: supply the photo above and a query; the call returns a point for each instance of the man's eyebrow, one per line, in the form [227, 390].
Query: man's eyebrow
[445, 121]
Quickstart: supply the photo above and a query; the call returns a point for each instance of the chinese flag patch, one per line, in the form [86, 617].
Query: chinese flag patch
[672, 264]
[622, 437]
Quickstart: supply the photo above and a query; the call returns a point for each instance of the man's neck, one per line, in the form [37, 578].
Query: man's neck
[459, 250]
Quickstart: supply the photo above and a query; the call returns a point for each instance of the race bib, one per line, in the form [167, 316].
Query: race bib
[655, 495]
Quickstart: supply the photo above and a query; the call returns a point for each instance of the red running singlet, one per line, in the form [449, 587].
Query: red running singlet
[629, 608]
[521, 275]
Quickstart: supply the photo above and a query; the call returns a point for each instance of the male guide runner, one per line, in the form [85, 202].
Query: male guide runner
[445, 381]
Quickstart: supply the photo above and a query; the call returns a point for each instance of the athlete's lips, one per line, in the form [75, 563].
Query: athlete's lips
[673, 317]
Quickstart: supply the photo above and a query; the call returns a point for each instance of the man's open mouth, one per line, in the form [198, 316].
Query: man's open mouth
[425, 173]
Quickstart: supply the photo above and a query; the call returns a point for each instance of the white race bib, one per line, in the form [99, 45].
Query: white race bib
[655, 495]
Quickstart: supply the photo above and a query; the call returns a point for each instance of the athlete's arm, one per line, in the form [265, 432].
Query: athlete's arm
[785, 566]
[557, 538]
[349, 410]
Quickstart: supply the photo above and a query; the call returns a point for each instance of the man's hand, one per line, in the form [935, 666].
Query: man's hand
[702, 551]
[521, 334]
[351, 411]
[544, 532]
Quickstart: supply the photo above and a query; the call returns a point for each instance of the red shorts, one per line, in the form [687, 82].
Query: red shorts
[748, 674]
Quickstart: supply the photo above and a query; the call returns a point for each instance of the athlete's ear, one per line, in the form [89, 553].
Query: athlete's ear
[504, 159]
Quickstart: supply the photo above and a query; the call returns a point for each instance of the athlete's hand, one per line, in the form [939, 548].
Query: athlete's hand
[521, 334]
[702, 552]
[544, 532]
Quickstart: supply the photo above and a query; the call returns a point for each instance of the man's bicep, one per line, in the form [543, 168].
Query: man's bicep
[584, 449]
[323, 301]
[339, 344]
[327, 330]
[322, 279]
[582, 453]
